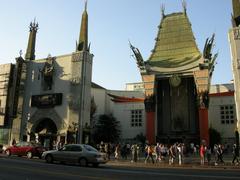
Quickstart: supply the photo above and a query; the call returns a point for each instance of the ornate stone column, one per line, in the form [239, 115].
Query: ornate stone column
[149, 107]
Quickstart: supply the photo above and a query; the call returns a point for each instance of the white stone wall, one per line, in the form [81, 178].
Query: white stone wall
[218, 99]
[100, 100]
[234, 40]
[121, 111]
[4, 83]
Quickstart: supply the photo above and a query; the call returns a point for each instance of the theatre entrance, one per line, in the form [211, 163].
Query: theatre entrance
[46, 133]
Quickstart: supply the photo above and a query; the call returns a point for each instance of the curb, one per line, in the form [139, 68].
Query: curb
[165, 165]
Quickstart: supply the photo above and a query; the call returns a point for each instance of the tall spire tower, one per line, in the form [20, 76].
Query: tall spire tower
[236, 13]
[30, 54]
[83, 38]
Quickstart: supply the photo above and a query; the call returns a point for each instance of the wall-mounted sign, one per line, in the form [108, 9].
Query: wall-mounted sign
[46, 100]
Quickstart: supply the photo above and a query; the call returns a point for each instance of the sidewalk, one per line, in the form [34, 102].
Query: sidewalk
[188, 162]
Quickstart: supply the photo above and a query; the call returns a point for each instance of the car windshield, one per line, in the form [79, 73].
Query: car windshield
[90, 148]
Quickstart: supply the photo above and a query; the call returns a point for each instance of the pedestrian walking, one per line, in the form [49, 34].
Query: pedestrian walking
[102, 147]
[171, 154]
[202, 154]
[157, 153]
[117, 151]
[220, 154]
[149, 150]
[180, 153]
[107, 149]
[134, 153]
[209, 153]
[235, 152]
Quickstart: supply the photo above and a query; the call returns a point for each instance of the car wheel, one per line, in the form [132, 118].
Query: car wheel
[83, 162]
[49, 159]
[29, 155]
[8, 152]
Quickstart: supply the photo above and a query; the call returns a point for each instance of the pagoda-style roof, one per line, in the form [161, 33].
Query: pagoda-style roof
[175, 48]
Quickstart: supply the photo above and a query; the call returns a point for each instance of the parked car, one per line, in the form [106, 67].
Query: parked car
[81, 154]
[28, 149]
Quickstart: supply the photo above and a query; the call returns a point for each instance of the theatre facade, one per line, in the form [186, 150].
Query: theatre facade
[48, 99]
[176, 79]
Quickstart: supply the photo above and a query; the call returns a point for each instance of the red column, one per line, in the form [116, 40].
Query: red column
[150, 127]
[203, 124]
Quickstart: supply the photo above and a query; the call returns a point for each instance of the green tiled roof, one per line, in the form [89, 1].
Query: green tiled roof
[175, 44]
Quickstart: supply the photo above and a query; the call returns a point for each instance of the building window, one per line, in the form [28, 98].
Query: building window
[227, 114]
[136, 118]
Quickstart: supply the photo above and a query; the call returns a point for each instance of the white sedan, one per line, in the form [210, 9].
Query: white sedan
[82, 154]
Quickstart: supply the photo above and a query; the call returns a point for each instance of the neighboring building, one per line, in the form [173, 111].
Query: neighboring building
[222, 111]
[51, 96]
[176, 76]
[6, 77]
[234, 39]
[126, 106]
[134, 87]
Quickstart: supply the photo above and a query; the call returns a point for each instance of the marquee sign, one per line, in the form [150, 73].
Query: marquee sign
[46, 100]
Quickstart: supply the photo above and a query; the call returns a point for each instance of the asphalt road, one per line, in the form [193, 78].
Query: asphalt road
[15, 168]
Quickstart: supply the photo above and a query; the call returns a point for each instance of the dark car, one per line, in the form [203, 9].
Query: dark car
[81, 154]
[28, 149]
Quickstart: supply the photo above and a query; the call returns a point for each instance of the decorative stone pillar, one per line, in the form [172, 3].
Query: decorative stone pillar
[149, 107]
[202, 81]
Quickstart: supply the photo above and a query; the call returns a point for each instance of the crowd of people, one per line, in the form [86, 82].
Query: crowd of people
[171, 154]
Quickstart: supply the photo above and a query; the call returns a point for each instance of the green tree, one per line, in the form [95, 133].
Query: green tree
[140, 138]
[107, 129]
[214, 137]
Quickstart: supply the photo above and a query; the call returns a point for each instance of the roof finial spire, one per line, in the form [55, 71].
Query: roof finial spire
[85, 5]
[163, 10]
[30, 54]
[83, 38]
[184, 4]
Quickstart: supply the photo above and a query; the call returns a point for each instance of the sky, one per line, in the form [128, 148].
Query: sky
[112, 24]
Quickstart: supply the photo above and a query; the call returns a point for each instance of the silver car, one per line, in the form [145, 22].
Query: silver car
[82, 154]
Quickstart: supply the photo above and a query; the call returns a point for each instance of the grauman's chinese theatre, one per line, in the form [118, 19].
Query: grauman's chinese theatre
[176, 80]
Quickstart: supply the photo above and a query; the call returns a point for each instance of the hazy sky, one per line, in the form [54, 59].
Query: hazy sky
[111, 24]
